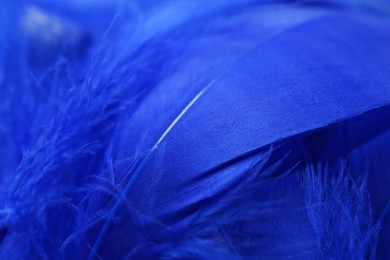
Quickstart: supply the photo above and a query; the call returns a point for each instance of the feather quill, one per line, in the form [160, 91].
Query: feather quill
[195, 130]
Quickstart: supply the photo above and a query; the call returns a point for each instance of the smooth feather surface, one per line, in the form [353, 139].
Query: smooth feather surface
[176, 129]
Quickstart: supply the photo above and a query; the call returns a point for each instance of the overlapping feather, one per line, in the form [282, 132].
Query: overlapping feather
[76, 137]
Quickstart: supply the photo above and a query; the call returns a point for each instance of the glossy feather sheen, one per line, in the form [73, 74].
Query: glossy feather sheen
[176, 129]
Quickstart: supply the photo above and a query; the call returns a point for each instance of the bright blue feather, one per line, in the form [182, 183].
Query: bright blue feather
[194, 129]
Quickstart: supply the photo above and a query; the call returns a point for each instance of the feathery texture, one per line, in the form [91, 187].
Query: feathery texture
[194, 129]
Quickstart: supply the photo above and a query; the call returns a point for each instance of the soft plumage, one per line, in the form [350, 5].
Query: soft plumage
[194, 129]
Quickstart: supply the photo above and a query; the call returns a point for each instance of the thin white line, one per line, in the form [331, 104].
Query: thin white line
[180, 116]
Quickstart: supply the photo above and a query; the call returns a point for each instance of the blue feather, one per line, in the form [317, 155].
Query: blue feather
[194, 129]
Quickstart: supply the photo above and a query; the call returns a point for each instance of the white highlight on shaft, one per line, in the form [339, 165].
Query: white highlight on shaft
[182, 113]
